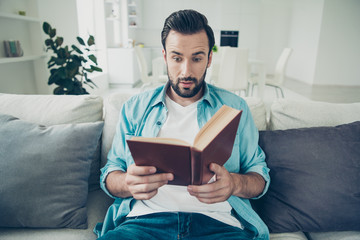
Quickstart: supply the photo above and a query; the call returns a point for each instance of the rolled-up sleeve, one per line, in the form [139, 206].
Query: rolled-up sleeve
[119, 155]
[252, 157]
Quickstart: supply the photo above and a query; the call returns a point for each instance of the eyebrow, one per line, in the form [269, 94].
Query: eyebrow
[194, 54]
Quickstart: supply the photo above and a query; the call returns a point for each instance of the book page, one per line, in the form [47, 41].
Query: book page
[214, 126]
[172, 141]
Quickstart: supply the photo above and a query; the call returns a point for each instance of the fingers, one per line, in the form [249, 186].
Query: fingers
[209, 193]
[143, 170]
[143, 182]
[217, 191]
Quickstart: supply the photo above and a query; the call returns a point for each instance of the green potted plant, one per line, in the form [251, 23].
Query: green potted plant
[69, 67]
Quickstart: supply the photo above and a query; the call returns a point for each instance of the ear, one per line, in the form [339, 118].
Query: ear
[164, 54]
[210, 59]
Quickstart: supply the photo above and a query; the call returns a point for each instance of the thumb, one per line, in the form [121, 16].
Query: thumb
[216, 168]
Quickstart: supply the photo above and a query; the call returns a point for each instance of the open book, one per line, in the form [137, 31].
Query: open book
[190, 164]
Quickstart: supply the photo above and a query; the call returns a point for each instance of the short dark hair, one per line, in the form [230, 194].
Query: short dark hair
[187, 22]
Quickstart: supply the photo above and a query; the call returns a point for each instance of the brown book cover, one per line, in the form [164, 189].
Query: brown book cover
[190, 164]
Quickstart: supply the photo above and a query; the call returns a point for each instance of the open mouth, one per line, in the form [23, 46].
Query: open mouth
[186, 84]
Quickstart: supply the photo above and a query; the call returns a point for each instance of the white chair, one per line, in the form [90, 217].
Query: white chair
[157, 78]
[279, 76]
[233, 70]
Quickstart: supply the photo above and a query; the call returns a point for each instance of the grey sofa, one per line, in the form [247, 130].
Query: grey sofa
[48, 110]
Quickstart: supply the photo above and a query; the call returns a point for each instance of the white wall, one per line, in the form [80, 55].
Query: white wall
[325, 36]
[338, 61]
[274, 27]
[304, 39]
[61, 15]
[241, 15]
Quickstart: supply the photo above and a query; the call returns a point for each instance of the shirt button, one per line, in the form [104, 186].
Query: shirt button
[158, 123]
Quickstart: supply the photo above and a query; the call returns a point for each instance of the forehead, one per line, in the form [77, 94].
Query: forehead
[184, 43]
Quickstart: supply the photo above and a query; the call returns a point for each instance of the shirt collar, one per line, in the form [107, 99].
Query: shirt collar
[160, 98]
[207, 97]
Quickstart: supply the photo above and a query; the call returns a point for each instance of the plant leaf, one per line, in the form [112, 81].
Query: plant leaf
[60, 61]
[90, 81]
[61, 53]
[46, 27]
[59, 41]
[81, 41]
[72, 69]
[56, 75]
[88, 70]
[49, 42]
[59, 91]
[52, 59]
[52, 32]
[91, 40]
[76, 49]
[68, 84]
[96, 68]
[93, 58]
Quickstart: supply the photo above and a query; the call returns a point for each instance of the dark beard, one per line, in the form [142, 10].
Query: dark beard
[188, 93]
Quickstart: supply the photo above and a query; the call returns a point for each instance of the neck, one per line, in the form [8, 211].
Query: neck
[181, 100]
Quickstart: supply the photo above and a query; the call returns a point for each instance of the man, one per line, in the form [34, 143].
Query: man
[145, 206]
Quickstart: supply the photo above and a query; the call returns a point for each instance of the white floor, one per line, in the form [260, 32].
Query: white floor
[269, 93]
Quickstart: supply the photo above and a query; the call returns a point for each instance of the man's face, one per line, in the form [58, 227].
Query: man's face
[187, 60]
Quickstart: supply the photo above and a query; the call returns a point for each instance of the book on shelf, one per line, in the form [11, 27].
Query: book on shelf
[13, 48]
[190, 163]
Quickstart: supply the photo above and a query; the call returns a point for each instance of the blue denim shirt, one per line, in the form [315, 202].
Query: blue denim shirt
[144, 115]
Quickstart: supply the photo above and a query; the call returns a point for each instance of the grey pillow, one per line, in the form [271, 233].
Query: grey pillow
[44, 173]
[315, 179]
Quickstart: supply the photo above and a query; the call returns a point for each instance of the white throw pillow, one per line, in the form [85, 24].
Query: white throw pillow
[287, 114]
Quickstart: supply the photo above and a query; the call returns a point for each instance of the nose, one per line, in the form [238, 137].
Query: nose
[186, 69]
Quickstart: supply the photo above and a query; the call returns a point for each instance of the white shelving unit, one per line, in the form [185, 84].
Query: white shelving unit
[30, 44]
[122, 18]
[133, 21]
[19, 17]
[21, 59]
[28, 31]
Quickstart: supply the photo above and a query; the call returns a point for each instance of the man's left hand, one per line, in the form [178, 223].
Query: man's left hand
[217, 191]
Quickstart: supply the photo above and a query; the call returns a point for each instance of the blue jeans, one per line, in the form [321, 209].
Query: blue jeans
[179, 225]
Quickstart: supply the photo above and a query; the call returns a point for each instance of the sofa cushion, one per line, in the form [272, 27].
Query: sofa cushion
[258, 111]
[44, 172]
[347, 235]
[314, 179]
[112, 106]
[288, 236]
[97, 205]
[58, 109]
[286, 114]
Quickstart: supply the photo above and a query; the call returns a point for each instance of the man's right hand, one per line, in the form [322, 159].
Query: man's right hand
[140, 182]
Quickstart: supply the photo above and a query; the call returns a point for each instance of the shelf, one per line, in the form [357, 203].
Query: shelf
[113, 19]
[21, 59]
[19, 17]
[112, 1]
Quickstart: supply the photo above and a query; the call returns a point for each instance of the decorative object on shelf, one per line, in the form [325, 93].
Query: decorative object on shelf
[69, 68]
[13, 49]
[22, 13]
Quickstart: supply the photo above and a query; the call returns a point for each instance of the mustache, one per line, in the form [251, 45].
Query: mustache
[187, 79]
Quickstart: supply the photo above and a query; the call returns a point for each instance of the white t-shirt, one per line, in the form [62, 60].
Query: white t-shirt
[181, 123]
